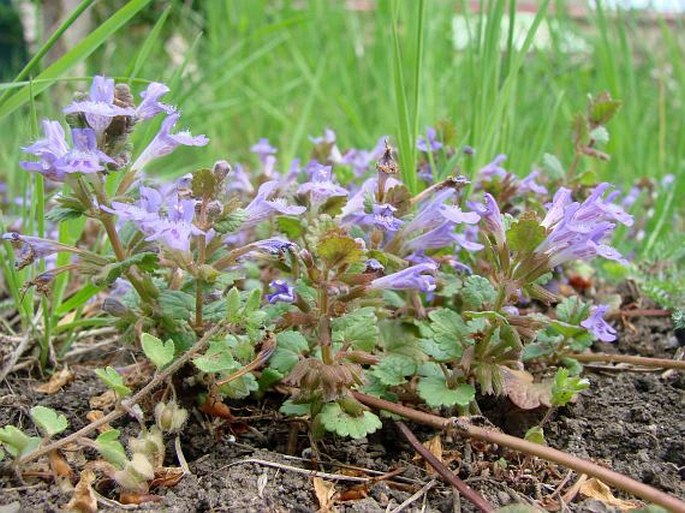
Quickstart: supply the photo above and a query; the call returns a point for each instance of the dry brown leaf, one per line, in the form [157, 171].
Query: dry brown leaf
[167, 477]
[56, 382]
[94, 415]
[519, 387]
[356, 493]
[434, 445]
[83, 500]
[593, 488]
[325, 494]
[103, 401]
[126, 497]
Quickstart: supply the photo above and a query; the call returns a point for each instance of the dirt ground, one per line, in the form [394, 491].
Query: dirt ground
[633, 422]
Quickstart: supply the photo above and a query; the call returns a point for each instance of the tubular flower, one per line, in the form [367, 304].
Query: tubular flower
[263, 149]
[429, 143]
[165, 142]
[596, 324]
[492, 218]
[261, 207]
[32, 248]
[415, 277]
[282, 292]
[99, 109]
[321, 186]
[150, 106]
[578, 230]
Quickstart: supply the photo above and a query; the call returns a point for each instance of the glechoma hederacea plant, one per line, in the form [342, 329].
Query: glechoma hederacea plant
[329, 277]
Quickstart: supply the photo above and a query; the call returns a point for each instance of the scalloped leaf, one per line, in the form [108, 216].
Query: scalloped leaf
[17, 443]
[111, 449]
[358, 329]
[436, 393]
[394, 369]
[48, 420]
[113, 380]
[289, 346]
[218, 358]
[335, 420]
[158, 352]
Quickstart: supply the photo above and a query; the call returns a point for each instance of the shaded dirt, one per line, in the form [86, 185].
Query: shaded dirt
[633, 422]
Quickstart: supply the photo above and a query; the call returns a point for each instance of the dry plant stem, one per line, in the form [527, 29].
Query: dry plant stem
[464, 427]
[665, 363]
[21, 347]
[122, 408]
[469, 493]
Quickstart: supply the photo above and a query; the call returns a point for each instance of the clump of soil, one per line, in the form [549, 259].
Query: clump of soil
[631, 421]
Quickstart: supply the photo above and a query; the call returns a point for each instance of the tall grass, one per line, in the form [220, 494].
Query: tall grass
[287, 70]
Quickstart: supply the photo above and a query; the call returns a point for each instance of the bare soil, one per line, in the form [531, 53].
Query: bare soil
[633, 422]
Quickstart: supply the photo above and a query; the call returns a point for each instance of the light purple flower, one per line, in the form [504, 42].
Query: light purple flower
[429, 143]
[667, 180]
[555, 210]
[383, 217]
[165, 142]
[282, 292]
[239, 180]
[596, 324]
[175, 235]
[353, 210]
[415, 277]
[146, 209]
[263, 149]
[99, 109]
[49, 150]
[492, 218]
[261, 207]
[150, 106]
[493, 169]
[84, 157]
[321, 186]
[528, 184]
[630, 198]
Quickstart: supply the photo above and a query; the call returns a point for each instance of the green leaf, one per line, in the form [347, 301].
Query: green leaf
[233, 305]
[176, 304]
[231, 222]
[554, 168]
[436, 393]
[218, 358]
[48, 420]
[289, 346]
[358, 329]
[113, 380]
[290, 226]
[603, 108]
[292, 409]
[394, 369]
[204, 183]
[335, 420]
[60, 214]
[17, 443]
[110, 448]
[254, 300]
[241, 387]
[565, 387]
[477, 293]
[525, 234]
[268, 378]
[446, 336]
[158, 352]
[572, 310]
[535, 435]
[336, 251]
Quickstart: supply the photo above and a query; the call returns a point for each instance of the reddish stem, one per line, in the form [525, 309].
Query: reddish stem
[627, 358]
[473, 496]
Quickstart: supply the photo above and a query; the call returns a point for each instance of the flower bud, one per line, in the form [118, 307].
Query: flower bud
[114, 307]
[170, 417]
[221, 170]
[136, 474]
[150, 444]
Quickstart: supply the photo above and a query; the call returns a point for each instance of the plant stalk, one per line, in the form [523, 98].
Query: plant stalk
[666, 363]
[465, 428]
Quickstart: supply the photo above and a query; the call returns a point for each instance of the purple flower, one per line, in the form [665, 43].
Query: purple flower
[282, 292]
[429, 143]
[328, 137]
[321, 186]
[239, 180]
[99, 109]
[596, 324]
[493, 169]
[630, 198]
[415, 277]
[31, 248]
[175, 235]
[528, 184]
[263, 149]
[383, 217]
[274, 246]
[150, 106]
[165, 142]
[57, 159]
[492, 218]
[353, 210]
[261, 207]
[373, 266]
[144, 210]
[578, 230]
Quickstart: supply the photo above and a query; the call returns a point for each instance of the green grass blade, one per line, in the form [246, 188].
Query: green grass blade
[79, 52]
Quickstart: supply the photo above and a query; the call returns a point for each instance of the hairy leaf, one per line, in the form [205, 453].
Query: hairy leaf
[218, 358]
[113, 380]
[337, 251]
[477, 293]
[289, 346]
[436, 393]
[525, 235]
[335, 420]
[158, 352]
[17, 442]
[358, 329]
[110, 448]
[394, 369]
